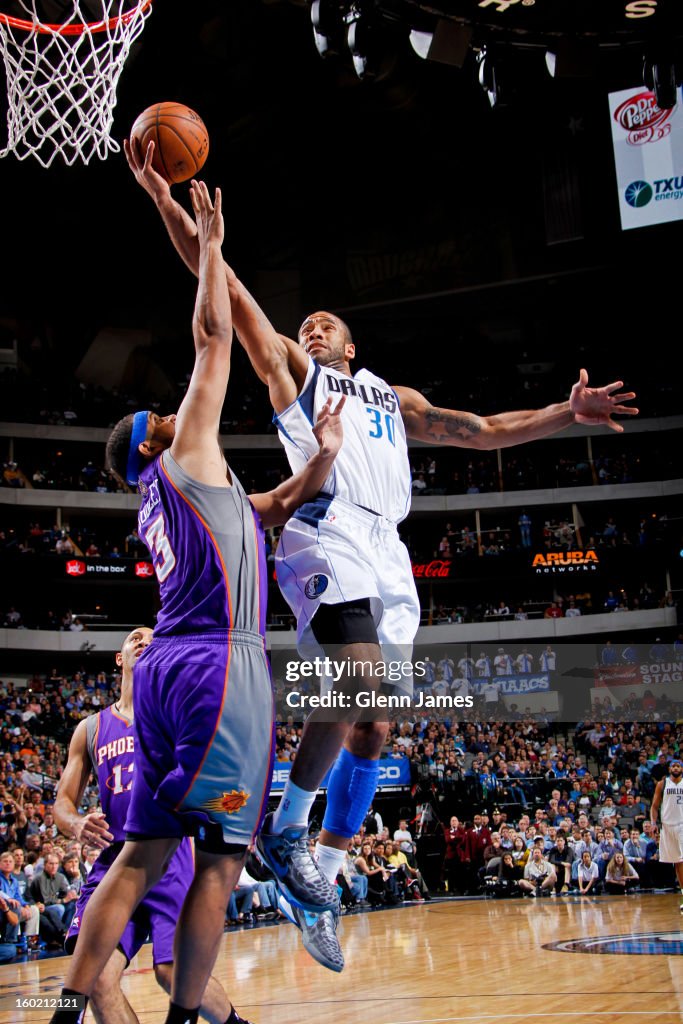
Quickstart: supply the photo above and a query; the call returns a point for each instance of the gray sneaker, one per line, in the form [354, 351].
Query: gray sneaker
[319, 932]
[297, 875]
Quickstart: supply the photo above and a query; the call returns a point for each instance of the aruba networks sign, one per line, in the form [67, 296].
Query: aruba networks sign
[565, 561]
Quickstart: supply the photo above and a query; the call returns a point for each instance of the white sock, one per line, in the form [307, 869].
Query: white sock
[293, 809]
[329, 861]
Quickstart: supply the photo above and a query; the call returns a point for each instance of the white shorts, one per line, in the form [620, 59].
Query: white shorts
[671, 844]
[331, 551]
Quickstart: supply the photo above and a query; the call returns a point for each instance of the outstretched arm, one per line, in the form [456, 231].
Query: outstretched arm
[86, 828]
[275, 507]
[425, 422]
[195, 445]
[278, 361]
[182, 229]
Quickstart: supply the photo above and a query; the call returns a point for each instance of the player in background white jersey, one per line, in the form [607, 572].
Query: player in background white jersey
[346, 606]
[668, 803]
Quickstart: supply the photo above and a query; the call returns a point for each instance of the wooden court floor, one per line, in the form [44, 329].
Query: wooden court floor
[454, 961]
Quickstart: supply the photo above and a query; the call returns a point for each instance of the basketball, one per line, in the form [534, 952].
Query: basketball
[181, 141]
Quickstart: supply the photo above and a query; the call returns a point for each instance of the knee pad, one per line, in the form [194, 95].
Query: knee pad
[350, 789]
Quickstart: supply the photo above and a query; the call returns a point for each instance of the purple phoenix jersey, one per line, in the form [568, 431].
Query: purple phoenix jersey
[208, 552]
[203, 695]
[110, 741]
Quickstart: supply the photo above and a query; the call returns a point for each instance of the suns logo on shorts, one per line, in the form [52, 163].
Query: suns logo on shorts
[316, 585]
[230, 802]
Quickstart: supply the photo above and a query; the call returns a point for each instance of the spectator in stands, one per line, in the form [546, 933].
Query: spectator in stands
[607, 810]
[503, 663]
[587, 874]
[547, 659]
[524, 662]
[561, 856]
[71, 871]
[64, 545]
[51, 888]
[539, 874]
[520, 854]
[492, 547]
[633, 812]
[468, 541]
[491, 694]
[620, 875]
[241, 903]
[609, 655]
[357, 883]
[610, 531]
[638, 853]
[27, 915]
[405, 841]
[572, 611]
[553, 611]
[466, 667]
[419, 485]
[659, 651]
[411, 877]
[373, 823]
[447, 668]
[493, 854]
[379, 885]
[483, 665]
[13, 476]
[524, 523]
[607, 847]
[455, 855]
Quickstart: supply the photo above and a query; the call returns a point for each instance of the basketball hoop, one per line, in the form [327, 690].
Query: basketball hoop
[62, 79]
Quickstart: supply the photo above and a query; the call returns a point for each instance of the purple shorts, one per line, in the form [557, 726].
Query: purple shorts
[157, 914]
[204, 737]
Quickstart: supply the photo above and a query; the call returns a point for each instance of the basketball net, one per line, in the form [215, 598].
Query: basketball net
[62, 79]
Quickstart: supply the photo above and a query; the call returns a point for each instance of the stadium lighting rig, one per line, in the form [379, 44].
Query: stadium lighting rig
[577, 38]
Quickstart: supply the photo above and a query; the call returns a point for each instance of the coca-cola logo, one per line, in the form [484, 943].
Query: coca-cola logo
[644, 121]
[438, 567]
[144, 569]
[74, 567]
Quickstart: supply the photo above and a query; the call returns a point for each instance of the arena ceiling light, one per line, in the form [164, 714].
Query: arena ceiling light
[572, 57]
[579, 38]
[447, 43]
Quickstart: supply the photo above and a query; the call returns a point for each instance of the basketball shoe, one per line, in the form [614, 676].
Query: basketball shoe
[319, 932]
[297, 875]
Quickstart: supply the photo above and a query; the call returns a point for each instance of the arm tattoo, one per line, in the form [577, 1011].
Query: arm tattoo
[442, 425]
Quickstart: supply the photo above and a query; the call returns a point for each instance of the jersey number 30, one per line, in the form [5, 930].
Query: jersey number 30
[162, 555]
[378, 427]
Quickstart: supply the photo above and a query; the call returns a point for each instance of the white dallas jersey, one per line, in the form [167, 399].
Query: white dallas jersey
[672, 802]
[372, 468]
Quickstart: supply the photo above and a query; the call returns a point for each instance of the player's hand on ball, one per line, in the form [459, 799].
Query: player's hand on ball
[93, 830]
[328, 430]
[208, 215]
[594, 406]
[141, 165]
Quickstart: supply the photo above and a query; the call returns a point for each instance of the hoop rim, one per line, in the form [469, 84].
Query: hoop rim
[46, 28]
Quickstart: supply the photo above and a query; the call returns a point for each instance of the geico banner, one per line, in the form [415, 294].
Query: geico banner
[513, 684]
[391, 773]
[648, 154]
